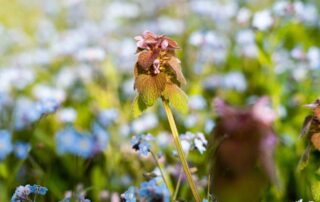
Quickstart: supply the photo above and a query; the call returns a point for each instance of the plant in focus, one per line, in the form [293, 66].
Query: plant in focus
[158, 74]
[311, 130]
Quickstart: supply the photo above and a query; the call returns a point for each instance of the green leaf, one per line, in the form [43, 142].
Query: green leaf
[138, 106]
[150, 87]
[174, 63]
[315, 189]
[306, 125]
[176, 97]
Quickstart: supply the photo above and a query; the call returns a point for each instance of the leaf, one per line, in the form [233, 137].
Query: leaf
[306, 125]
[176, 97]
[315, 189]
[150, 87]
[146, 58]
[138, 106]
[305, 158]
[315, 139]
[174, 63]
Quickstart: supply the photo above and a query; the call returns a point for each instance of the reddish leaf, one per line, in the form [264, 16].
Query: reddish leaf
[174, 63]
[145, 59]
[315, 139]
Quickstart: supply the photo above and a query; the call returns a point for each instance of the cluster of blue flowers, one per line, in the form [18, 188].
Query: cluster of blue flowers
[196, 141]
[153, 190]
[84, 145]
[21, 149]
[28, 112]
[141, 143]
[22, 193]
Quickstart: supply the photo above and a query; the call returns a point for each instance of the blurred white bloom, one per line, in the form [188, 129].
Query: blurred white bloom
[313, 56]
[282, 61]
[122, 10]
[196, 38]
[35, 57]
[90, 54]
[307, 13]
[191, 120]
[46, 31]
[281, 8]
[146, 122]
[15, 77]
[262, 20]
[69, 42]
[235, 80]
[203, 7]
[243, 15]
[170, 25]
[197, 102]
[125, 130]
[209, 125]
[67, 115]
[299, 73]
[217, 47]
[127, 87]
[44, 92]
[246, 43]
[84, 73]
[163, 139]
[282, 112]
[186, 145]
[66, 77]
[297, 53]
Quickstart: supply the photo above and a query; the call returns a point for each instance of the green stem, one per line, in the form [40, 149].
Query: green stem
[181, 155]
[169, 186]
[177, 186]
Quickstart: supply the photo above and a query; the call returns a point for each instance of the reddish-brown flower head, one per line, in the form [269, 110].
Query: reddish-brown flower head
[158, 72]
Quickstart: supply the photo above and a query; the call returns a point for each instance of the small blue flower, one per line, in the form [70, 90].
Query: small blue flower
[21, 149]
[21, 194]
[108, 116]
[37, 189]
[5, 144]
[153, 190]
[129, 195]
[101, 137]
[141, 143]
[84, 146]
[47, 106]
[144, 148]
[65, 140]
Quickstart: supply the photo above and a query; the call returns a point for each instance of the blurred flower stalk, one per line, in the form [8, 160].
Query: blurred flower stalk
[158, 74]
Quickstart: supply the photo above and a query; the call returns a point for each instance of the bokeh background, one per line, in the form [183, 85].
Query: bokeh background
[66, 72]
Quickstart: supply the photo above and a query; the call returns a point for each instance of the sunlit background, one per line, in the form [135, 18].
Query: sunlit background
[66, 87]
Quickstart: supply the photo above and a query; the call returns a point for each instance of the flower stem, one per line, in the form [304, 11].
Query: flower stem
[181, 155]
[177, 186]
[164, 177]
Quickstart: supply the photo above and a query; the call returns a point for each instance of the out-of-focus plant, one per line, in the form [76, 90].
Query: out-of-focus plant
[158, 74]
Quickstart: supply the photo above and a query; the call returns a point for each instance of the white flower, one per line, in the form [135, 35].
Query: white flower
[67, 115]
[243, 16]
[262, 20]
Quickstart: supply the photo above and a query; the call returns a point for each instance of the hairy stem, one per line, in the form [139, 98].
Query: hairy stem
[181, 155]
[164, 177]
